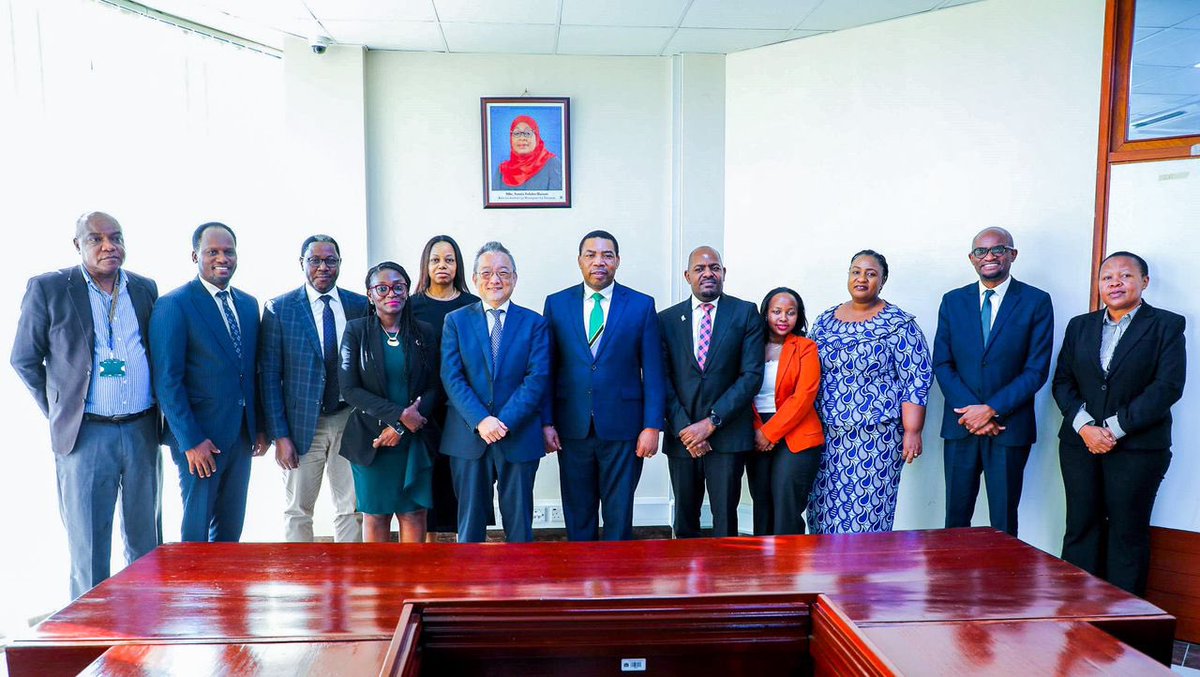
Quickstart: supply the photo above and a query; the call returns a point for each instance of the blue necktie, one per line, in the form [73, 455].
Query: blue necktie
[235, 332]
[329, 401]
[985, 314]
[497, 329]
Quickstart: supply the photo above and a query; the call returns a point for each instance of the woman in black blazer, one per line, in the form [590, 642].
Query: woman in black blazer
[1119, 371]
[389, 374]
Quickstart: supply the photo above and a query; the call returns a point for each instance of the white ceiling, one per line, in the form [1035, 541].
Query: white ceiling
[611, 27]
[1164, 98]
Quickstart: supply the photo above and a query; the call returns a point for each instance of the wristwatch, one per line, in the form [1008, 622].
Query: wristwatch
[716, 420]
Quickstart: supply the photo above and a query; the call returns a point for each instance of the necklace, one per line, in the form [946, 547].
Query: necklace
[393, 340]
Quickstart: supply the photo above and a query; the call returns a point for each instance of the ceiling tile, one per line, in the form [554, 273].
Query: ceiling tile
[485, 38]
[260, 9]
[627, 41]
[834, 15]
[372, 10]
[717, 41]
[413, 36]
[498, 11]
[623, 12]
[768, 14]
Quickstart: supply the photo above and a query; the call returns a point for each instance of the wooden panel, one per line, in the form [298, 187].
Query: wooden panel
[1174, 581]
[1004, 649]
[839, 648]
[242, 660]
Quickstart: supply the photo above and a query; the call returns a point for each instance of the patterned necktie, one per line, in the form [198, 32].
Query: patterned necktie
[705, 335]
[595, 322]
[235, 332]
[497, 330]
[329, 400]
[985, 314]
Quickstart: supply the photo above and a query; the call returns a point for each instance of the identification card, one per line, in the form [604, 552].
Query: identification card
[112, 368]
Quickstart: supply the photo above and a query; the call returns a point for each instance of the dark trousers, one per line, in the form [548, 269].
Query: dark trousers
[598, 475]
[1003, 468]
[780, 483]
[214, 507]
[109, 460]
[722, 474]
[1109, 500]
[473, 480]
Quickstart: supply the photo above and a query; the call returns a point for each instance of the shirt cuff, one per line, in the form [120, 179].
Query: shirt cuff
[1115, 426]
[1081, 419]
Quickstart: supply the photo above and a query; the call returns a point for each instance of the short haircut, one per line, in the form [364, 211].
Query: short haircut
[1003, 232]
[1145, 267]
[493, 247]
[603, 235]
[320, 238]
[875, 255]
[460, 275]
[801, 328]
[199, 233]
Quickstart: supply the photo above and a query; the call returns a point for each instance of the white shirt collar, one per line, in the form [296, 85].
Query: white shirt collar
[607, 292]
[1128, 316]
[212, 288]
[314, 296]
[503, 306]
[1000, 290]
[696, 303]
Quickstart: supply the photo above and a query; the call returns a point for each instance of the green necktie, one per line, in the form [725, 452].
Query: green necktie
[596, 319]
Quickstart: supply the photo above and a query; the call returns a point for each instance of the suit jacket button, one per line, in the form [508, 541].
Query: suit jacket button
[241, 402]
[593, 367]
[1104, 387]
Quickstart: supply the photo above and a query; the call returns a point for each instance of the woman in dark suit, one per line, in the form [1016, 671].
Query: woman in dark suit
[389, 374]
[1119, 371]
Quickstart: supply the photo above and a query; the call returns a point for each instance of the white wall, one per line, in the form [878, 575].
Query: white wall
[1153, 210]
[424, 173]
[908, 137]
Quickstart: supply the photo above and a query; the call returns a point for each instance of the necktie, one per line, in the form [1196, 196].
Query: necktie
[985, 314]
[329, 400]
[235, 332]
[705, 334]
[595, 322]
[497, 329]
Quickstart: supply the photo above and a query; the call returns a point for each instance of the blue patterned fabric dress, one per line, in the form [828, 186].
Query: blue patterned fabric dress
[868, 369]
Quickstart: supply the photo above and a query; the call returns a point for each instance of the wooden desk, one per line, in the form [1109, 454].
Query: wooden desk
[313, 593]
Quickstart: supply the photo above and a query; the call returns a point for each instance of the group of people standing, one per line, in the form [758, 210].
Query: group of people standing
[422, 401]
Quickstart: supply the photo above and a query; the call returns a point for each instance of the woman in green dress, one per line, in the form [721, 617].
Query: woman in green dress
[389, 374]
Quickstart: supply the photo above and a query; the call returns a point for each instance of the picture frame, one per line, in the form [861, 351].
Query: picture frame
[526, 151]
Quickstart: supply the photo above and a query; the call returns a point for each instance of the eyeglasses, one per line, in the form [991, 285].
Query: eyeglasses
[504, 275]
[998, 250]
[399, 289]
[523, 135]
[329, 261]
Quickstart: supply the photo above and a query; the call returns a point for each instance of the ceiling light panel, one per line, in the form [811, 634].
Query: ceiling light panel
[762, 14]
[623, 12]
[627, 41]
[487, 38]
[498, 11]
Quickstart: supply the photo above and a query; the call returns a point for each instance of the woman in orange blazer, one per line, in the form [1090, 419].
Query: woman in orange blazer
[787, 431]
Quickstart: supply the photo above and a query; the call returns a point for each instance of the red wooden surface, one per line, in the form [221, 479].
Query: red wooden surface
[840, 648]
[1005, 649]
[242, 660]
[1174, 581]
[245, 593]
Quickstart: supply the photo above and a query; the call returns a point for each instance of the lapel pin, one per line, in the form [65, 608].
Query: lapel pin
[683, 318]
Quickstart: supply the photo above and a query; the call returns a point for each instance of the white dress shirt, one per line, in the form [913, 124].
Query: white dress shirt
[213, 291]
[697, 315]
[588, 302]
[491, 317]
[318, 311]
[997, 298]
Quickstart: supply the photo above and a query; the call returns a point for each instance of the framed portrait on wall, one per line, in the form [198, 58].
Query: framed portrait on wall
[526, 151]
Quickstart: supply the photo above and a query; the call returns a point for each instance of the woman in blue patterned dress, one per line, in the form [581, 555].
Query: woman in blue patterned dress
[875, 378]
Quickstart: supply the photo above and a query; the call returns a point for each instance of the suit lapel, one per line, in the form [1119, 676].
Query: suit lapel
[720, 321]
[1138, 327]
[307, 321]
[1091, 341]
[685, 332]
[616, 305]
[206, 310]
[78, 290]
[139, 295]
[353, 307]
[479, 319]
[512, 323]
[786, 355]
[1011, 300]
[575, 314]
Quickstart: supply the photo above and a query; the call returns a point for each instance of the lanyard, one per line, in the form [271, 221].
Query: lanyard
[112, 313]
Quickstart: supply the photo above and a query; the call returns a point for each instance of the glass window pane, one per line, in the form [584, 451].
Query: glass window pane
[1164, 82]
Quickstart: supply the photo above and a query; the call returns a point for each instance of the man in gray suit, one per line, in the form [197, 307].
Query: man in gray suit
[81, 350]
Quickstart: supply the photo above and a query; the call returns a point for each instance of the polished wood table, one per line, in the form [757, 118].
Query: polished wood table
[244, 595]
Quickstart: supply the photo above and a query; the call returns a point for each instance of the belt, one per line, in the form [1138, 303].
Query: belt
[119, 418]
[340, 406]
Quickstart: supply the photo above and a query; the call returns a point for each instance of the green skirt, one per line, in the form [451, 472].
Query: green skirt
[398, 481]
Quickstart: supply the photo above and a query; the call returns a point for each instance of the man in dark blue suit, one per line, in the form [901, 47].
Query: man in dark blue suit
[298, 375]
[991, 355]
[495, 367]
[203, 346]
[605, 407]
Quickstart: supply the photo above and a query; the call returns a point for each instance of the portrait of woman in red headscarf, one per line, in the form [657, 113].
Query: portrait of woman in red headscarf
[530, 165]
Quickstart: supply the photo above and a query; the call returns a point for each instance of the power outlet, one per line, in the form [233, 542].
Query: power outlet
[554, 514]
[539, 515]
[633, 665]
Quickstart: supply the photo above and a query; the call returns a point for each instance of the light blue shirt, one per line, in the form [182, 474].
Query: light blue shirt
[1110, 335]
[118, 395]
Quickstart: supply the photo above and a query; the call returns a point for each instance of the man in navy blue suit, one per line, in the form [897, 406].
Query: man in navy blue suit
[495, 367]
[605, 406]
[298, 375]
[991, 355]
[203, 346]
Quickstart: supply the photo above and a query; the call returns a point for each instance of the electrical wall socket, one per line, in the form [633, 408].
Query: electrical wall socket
[539, 515]
[554, 514]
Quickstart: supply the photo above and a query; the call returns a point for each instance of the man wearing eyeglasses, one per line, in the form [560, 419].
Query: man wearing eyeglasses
[496, 369]
[991, 354]
[298, 371]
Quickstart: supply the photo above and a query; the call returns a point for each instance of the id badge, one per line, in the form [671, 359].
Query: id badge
[112, 368]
